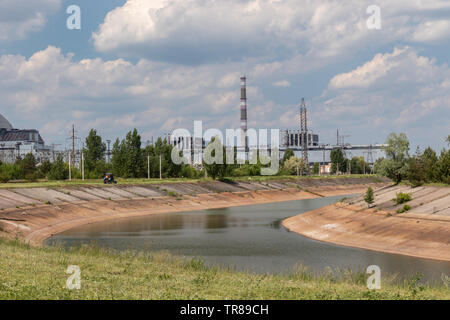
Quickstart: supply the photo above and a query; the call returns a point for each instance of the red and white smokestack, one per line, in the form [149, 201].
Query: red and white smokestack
[244, 141]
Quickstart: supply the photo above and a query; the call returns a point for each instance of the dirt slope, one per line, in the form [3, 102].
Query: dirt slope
[422, 232]
[34, 214]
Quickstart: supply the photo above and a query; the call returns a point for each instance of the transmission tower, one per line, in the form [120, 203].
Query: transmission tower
[304, 133]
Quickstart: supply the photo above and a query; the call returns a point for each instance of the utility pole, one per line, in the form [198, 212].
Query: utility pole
[53, 150]
[148, 167]
[160, 166]
[72, 138]
[73, 145]
[70, 168]
[323, 160]
[108, 151]
[82, 165]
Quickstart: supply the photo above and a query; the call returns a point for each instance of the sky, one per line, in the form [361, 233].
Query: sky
[159, 65]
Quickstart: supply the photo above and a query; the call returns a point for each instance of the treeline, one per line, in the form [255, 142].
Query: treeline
[422, 167]
[341, 164]
[28, 169]
[129, 159]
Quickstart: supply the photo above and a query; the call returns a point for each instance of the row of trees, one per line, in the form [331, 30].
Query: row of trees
[131, 160]
[27, 169]
[422, 167]
[340, 164]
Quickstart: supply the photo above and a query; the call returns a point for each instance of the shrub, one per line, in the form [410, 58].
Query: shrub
[59, 170]
[402, 198]
[4, 177]
[369, 198]
[404, 209]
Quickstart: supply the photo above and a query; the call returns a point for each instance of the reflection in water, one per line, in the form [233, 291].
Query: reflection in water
[216, 221]
[248, 238]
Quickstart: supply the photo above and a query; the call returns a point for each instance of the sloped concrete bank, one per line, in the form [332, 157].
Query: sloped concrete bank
[424, 231]
[35, 214]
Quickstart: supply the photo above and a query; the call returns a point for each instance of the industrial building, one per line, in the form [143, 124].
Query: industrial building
[301, 140]
[15, 143]
[294, 138]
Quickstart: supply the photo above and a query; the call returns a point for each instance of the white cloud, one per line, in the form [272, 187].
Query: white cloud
[432, 31]
[279, 31]
[50, 87]
[370, 72]
[397, 91]
[18, 18]
[282, 83]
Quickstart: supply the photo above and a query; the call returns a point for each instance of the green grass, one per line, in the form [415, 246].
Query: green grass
[90, 182]
[121, 181]
[39, 273]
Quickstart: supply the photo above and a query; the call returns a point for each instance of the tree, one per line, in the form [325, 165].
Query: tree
[5, 172]
[448, 139]
[28, 165]
[430, 161]
[416, 169]
[59, 169]
[214, 159]
[443, 167]
[294, 166]
[369, 198]
[133, 155]
[397, 147]
[289, 153]
[94, 153]
[338, 162]
[168, 167]
[395, 166]
[118, 157]
[316, 168]
[44, 169]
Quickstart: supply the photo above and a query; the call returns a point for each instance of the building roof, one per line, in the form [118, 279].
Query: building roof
[4, 124]
[21, 136]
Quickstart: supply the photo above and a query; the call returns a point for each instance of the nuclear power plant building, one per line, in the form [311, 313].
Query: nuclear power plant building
[15, 143]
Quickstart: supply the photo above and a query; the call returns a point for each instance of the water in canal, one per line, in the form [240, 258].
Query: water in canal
[247, 238]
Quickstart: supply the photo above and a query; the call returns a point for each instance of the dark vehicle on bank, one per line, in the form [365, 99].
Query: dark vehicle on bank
[108, 178]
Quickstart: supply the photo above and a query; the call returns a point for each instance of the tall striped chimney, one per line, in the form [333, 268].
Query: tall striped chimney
[244, 141]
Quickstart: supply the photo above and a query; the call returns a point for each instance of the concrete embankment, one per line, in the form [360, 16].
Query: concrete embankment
[35, 214]
[424, 231]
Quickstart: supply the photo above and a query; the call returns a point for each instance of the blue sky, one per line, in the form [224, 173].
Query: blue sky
[159, 65]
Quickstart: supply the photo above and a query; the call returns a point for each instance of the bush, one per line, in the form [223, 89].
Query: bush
[369, 198]
[404, 209]
[59, 170]
[402, 198]
[4, 177]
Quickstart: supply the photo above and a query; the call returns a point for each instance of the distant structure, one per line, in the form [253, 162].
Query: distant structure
[304, 133]
[299, 140]
[190, 147]
[15, 143]
[293, 139]
[244, 139]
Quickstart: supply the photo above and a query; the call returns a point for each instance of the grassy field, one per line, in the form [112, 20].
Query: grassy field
[39, 273]
[66, 183]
